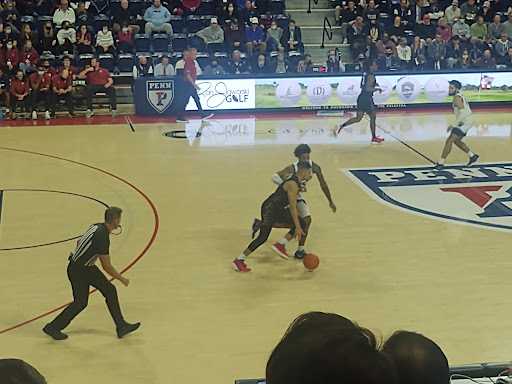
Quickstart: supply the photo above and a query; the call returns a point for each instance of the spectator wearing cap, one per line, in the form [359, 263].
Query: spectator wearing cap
[191, 7]
[487, 44]
[274, 36]
[254, 36]
[452, 13]
[234, 37]
[142, 68]
[486, 12]
[444, 30]
[214, 69]
[28, 58]
[62, 86]
[248, 13]
[64, 13]
[157, 19]
[66, 38]
[461, 29]
[507, 26]
[426, 30]
[213, 36]
[496, 28]
[292, 37]
[502, 46]
[164, 68]
[105, 40]
[469, 9]
[479, 29]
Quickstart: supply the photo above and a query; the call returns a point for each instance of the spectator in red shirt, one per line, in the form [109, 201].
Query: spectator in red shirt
[62, 85]
[5, 89]
[20, 94]
[84, 40]
[41, 84]
[9, 59]
[48, 68]
[124, 41]
[98, 80]
[28, 58]
[66, 64]
[191, 7]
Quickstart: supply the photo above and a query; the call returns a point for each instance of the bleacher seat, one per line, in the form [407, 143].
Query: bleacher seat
[107, 61]
[273, 54]
[50, 58]
[175, 57]
[194, 24]
[82, 59]
[160, 42]
[386, 19]
[222, 59]
[142, 43]
[207, 7]
[203, 59]
[41, 21]
[293, 59]
[282, 20]
[28, 20]
[126, 62]
[276, 7]
[409, 35]
[206, 20]
[157, 57]
[72, 59]
[99, 21]
[136, 7]
[196, 42]
[179, 42]
[178, 25]
[115, 6]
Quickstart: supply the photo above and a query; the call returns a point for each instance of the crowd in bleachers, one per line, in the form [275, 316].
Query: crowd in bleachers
[428, 34]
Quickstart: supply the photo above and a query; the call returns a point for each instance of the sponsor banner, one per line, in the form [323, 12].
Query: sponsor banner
[225, 95]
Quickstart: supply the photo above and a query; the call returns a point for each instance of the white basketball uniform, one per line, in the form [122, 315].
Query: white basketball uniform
[302, 207]
[466, 122]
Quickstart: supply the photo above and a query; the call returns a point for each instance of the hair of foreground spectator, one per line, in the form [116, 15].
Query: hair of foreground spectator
[416, 356]
[324, 348]
[15, 371]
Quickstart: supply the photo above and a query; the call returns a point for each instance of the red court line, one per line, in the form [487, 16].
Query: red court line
[150, 243]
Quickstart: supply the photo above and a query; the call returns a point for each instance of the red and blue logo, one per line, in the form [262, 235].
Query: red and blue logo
[480, 195]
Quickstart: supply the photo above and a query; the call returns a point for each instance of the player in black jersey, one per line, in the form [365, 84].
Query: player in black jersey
[83, 272]
[365, 100]
[273, 211]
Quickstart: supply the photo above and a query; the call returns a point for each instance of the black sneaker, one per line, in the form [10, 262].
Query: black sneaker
[206, 116]
[439, 167]
[72, 114]
[472, 159]
[300, 255]
[256, 225]
[126, 329]
[55, 334]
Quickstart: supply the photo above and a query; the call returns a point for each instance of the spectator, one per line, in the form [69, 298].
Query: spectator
[404, 52]
[9, 58]
[469, 9]
[419, 12]
[20, 94]
[405, 13]
[262, 6]
[66, 65]
[486, 61]
[124, 40]
[164, 68]
[124, 15]
[333, 63]
[27, 35]
[15, 371]
[41, 83]
[98, 80]
[359, 63]
[66, 38]
[369, 49]
[452, 13]
[436, 63]
[142, 68]
[453, 52]
[26, 7]
[45, 7]
[292, 37]
[10, 16]
[229, 14]
[383, 44]
[5, 90]
[175, 7]
[62, 89]
[48, 41]
[84, 39]
[105, 40]
[82, 15]
[254, 36]
[339, 6]
[327, 348]
[9, 35]
[419, 63]
[371, 13]
[396, 30]
[157, 19]
[437, 46]
[48, 68]
[214, 69]
[180, 65]
[475, 50]
[64, 13]
[348, 19]
[479, 29]
[190, 7]
[305, 65]
[486, 13]
[28, 58]
[388, 62]
[487, 44]
[507, 26]
[234, 37]
[237, 66]
[464, 61]
[509, 58]
[444, 30]
[274, 36]
[373, 30]
[433, 11]
[417, 47]
[213, 36]
[426, 30]
[496, 28]
[357, 37]
[261, 66]
[248, 13]
[415, 355]
[502, 46]
[461, 29]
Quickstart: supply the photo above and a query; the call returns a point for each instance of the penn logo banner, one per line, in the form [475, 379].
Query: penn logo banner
[160, 94]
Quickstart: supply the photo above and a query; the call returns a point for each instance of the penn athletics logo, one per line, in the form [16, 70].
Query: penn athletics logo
[478, 196]
[160, 94]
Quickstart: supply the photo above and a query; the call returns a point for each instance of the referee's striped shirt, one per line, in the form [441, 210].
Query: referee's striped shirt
[94, 242]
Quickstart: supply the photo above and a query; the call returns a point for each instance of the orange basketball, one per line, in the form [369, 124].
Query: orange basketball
[311, 262]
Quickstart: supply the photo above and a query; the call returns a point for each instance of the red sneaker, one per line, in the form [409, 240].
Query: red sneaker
[377, 140]
[336, 133]
[240, 266]
[280, 250]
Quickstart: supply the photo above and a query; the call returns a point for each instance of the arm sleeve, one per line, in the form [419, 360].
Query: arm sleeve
[276, 179]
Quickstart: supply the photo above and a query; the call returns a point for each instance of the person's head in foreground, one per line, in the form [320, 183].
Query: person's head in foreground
[325, 348]
[15, 371]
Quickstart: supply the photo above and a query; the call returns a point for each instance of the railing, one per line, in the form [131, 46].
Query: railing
[326, 32]
[309, 5]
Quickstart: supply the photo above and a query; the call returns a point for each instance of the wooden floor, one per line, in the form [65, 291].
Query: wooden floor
[201, 321]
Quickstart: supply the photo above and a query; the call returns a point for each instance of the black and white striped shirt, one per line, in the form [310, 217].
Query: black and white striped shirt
[94, 242]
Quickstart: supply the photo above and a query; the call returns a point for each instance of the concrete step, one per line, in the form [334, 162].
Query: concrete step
[315, 18]
[319, 54]
[313, 35]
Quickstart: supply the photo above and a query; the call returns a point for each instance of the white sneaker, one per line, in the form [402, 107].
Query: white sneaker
[113, 113]
[89, 113]
[34, 115]
[47, 115]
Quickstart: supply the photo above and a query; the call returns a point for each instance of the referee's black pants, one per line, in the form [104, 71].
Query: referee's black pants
[188, 91]
[81, 279]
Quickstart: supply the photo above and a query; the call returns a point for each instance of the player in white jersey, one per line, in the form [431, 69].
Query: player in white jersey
[302, 153]
[460, 127]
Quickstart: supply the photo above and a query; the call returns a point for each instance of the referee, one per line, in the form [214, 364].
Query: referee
[82, 273]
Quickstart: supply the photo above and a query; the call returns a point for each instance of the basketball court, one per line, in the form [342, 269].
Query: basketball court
[190, 193]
